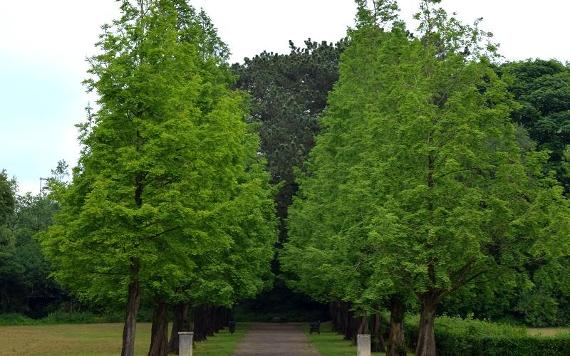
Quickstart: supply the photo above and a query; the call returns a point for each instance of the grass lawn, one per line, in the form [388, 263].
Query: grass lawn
[223, 344]
[547, 331]
[329, 343]
[95, 339]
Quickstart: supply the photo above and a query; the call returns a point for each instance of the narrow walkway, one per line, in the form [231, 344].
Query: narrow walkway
[269, 339]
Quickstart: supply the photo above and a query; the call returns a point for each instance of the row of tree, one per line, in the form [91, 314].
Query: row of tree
[170, 202]
[196, 178]
[289, 92]
[420, 183]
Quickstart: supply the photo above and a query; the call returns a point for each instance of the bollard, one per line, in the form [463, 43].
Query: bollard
[363, 341]
[185, 339]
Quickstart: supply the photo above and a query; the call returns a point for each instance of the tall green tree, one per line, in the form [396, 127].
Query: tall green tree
[162, 156]
[418, 181]
[538, 296]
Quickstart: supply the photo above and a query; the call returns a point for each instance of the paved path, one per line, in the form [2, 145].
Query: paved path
[267, 339]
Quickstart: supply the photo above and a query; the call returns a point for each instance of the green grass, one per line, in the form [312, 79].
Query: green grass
[329, 343]
[96, 340]
[223, 344]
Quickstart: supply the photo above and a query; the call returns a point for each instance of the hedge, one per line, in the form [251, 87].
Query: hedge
[456, 336]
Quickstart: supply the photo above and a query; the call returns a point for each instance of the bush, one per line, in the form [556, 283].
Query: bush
[456, 336]
[16, 319]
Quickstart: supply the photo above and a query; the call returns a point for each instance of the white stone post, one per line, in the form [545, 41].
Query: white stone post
[363, 342]
[185, 339]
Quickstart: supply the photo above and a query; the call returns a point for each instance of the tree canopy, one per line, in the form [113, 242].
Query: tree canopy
[167, 162]
[417, 183]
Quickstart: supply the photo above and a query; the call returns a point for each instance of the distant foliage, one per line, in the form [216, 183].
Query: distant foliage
[288, 93]
[543, 90]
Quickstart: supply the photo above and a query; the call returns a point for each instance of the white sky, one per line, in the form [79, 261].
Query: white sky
[43, 46]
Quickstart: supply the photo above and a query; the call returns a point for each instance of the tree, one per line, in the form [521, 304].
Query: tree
[535, 294]
[418, 181]
[328, 251]
[543, 90]
[162, 157]
[7, 206]
[288, 92]
[7, 209]
[24, 277]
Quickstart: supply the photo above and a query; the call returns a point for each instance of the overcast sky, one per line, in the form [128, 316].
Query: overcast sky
[43, 46]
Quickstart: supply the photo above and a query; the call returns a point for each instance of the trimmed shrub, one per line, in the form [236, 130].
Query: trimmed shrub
[456, 336]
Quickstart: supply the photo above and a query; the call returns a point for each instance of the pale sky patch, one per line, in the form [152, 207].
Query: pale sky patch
[43, 46]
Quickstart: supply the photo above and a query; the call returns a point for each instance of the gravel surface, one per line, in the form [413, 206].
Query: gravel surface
[270, 339]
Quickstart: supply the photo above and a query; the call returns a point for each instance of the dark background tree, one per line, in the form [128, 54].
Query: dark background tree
[288, 93]
[25, 286]
[542, 87]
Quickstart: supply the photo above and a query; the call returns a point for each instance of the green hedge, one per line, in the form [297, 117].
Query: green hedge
[456, 336]
[58, 317]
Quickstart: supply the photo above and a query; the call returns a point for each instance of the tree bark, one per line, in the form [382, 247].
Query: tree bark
[396, 340]
[159, 332]
[378, 344]
[426, 337]
[180, 323]
[363, 328]
[132, 308]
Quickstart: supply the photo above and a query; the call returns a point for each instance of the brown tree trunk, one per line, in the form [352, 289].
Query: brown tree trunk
[132, 308]
[396, 340]
[378, 344]
[426, 337]
[180, 323]
[363, 328]
[159, 332]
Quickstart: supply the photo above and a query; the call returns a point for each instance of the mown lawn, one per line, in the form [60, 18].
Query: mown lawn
[329, 343]
[95, 339]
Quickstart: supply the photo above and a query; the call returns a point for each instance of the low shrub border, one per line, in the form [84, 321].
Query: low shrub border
[456, 336]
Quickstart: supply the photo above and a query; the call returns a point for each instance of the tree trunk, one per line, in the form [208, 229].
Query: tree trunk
[396, 340]
[132, 308]
[180, 323]
[159, 332]
[378, 344]
[426, 337]
[364, 326]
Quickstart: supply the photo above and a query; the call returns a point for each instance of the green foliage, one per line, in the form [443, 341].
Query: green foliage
[473, 338]
[7, 206]
[25, 286]
[288, 92]
[169, 182]
[417, 184]
[538, 295]
[543, 89]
